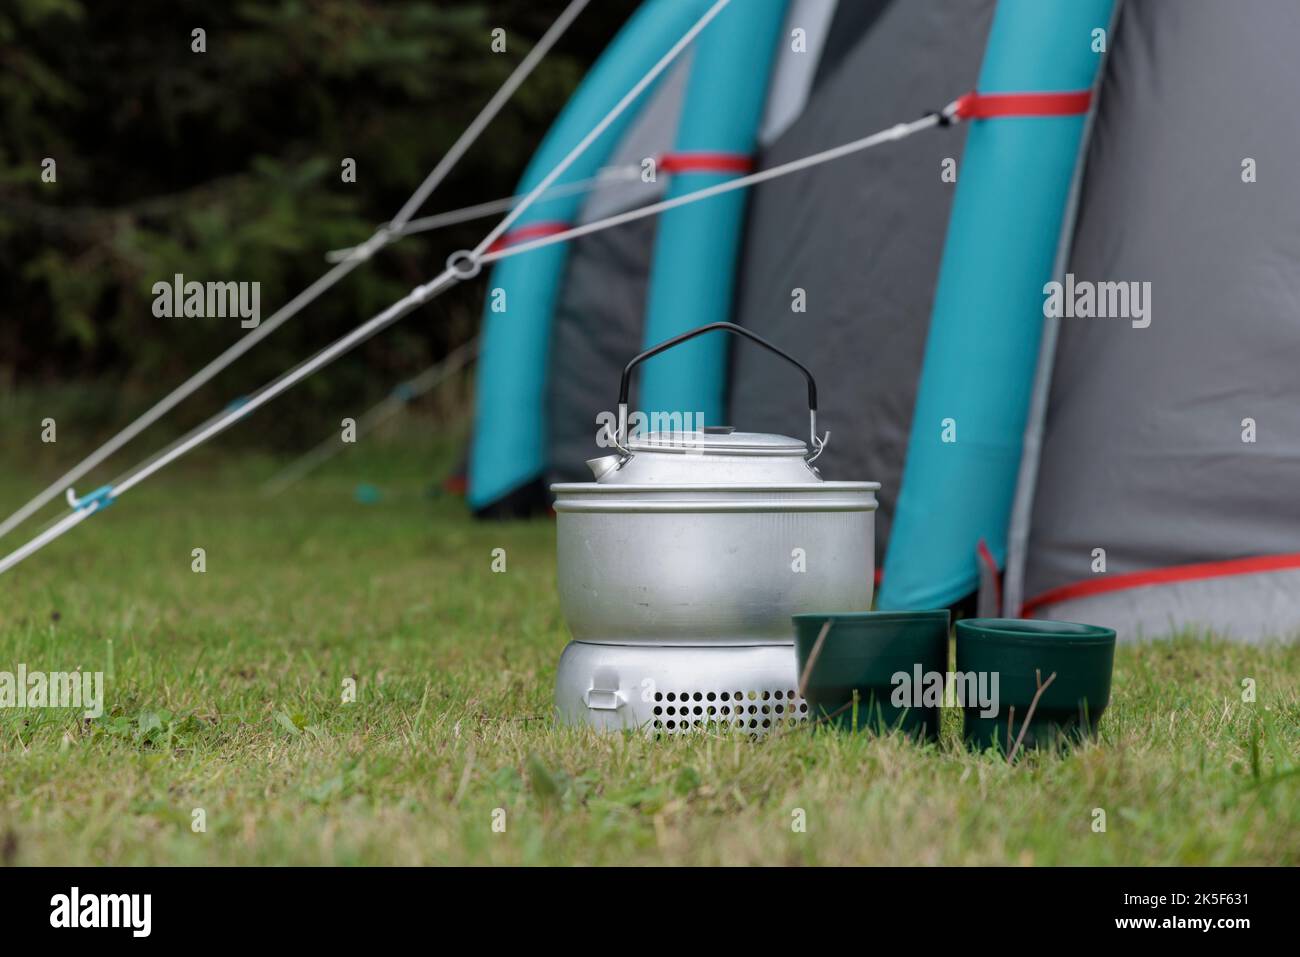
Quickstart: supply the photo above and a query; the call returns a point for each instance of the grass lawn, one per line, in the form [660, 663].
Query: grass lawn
[223, 693]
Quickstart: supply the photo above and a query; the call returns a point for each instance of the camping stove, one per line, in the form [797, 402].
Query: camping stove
[681, 565]
[669, 689]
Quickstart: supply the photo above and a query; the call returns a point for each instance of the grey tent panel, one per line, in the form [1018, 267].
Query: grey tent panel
[1143, 452]
[851, 21]
[600, 312]
[793, 72]
[597, 329]
[651, 134]
[1258, 608]
[863, 237]
[600, 315]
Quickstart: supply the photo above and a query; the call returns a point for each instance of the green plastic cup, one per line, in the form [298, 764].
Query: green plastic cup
[880, 656]
[1023, 652]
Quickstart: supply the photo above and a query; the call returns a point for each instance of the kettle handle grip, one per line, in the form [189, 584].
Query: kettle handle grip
[620, 440]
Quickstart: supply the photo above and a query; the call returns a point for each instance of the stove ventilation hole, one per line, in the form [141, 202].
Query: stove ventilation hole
[756, 710]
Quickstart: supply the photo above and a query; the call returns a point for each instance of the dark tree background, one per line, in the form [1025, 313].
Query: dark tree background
[225, 165]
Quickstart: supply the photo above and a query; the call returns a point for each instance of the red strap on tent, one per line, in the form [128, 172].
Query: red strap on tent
[524, 233]
[706, 163]
[985, 106]
[1103, 584]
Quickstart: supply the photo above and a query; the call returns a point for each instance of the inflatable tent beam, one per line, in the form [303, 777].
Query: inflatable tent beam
[982, 351]
[696, 247]
[1013, 590]
[508, 449]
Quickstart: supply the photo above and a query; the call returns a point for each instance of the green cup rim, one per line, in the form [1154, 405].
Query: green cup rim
[932, 614]
[1034, 631]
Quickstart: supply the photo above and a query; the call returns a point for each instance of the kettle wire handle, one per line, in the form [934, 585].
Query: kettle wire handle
[817, 444]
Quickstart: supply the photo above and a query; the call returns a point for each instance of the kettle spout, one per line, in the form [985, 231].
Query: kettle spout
[600, 467]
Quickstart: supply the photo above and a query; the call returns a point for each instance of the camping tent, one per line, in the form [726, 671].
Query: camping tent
[1133, 469]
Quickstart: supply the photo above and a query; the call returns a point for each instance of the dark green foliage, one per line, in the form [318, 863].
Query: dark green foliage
[225, 165]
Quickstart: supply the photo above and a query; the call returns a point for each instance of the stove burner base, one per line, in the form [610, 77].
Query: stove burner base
[672, 689]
